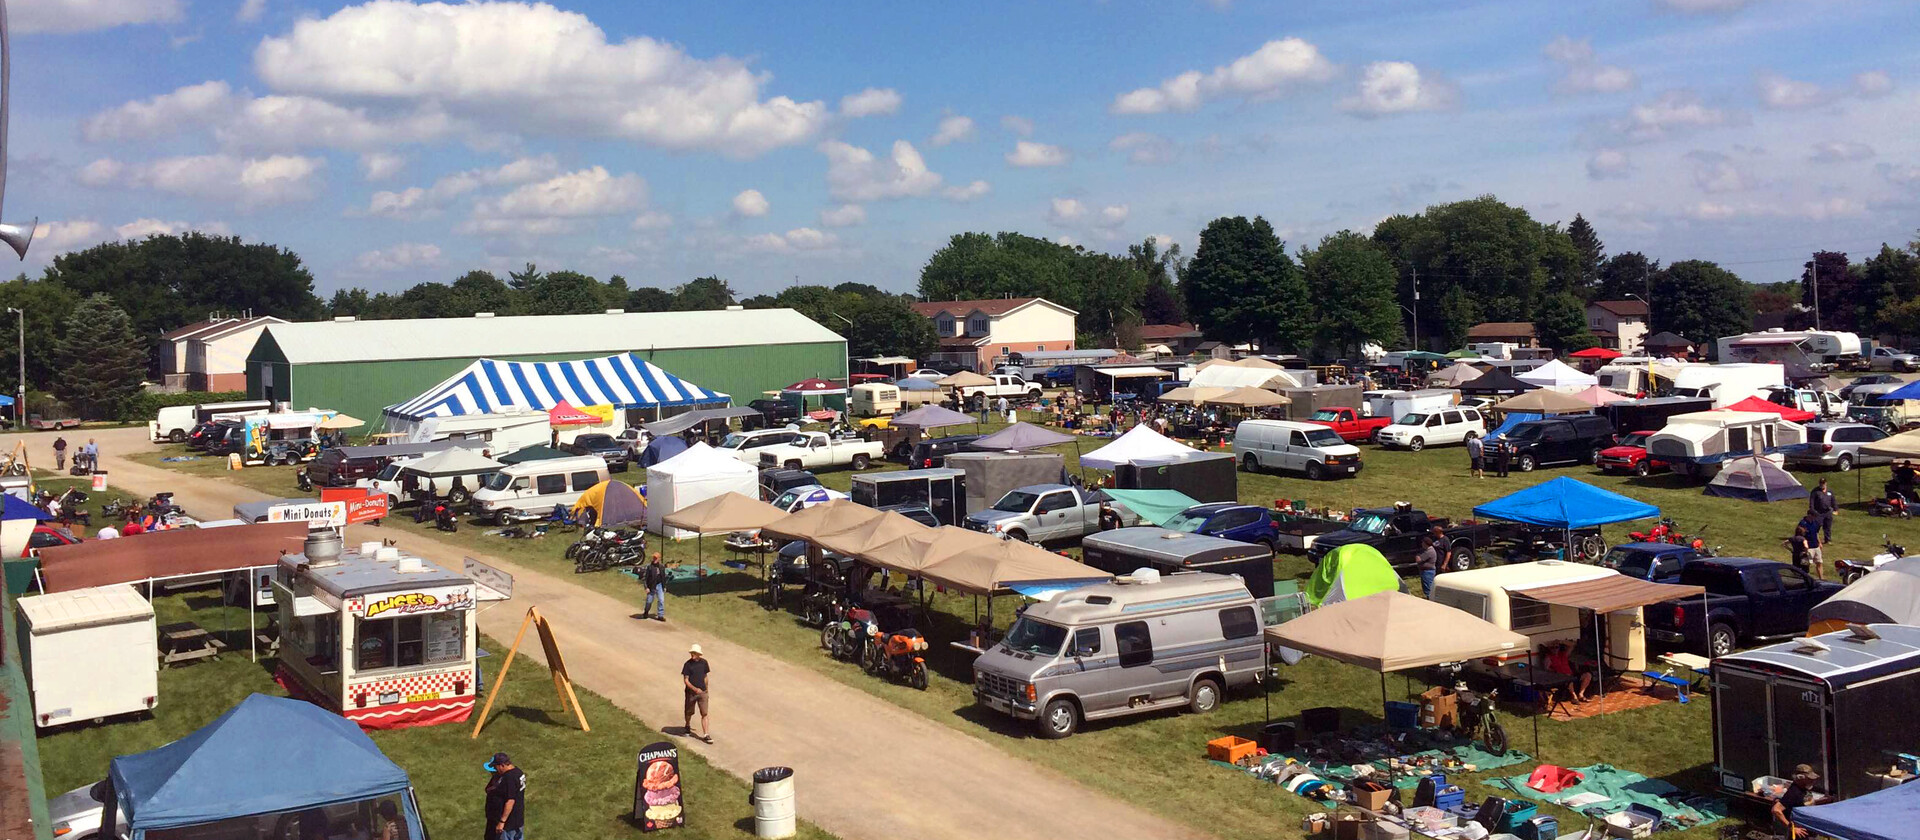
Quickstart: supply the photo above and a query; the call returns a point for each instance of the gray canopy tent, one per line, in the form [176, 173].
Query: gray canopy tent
[681, 422]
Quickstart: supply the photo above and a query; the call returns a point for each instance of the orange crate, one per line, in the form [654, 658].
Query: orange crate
[1230, 749]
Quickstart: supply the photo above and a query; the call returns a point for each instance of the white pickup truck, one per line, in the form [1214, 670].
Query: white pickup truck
[1006, 385]
[817, 450]
[1046, 512]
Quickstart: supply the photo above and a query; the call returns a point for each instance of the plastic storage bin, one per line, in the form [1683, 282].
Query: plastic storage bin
[1320, 719]
[1401, 715]
[1230, 749]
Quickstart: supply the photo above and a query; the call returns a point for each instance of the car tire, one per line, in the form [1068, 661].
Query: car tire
[860, 462]
[1205, 696]
[503, 516]
[793, 465]
[1060, 719]
[1527, 462]
[1642, 469]
[1416, 444]
[1373, 437]
[177, 436]
[1316, 472]
[1845, 464]
[1721, 640]
[457, 496]
[1593, 455]
[1462, 558]
[1249, 463]
[1034, 395]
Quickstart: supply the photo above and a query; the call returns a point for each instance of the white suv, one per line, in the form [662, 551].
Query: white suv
[1421, 430]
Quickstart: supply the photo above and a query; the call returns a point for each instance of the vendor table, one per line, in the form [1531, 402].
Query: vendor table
[186, 642]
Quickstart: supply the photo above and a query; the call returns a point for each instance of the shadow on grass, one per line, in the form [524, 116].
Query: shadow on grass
[1666, 481]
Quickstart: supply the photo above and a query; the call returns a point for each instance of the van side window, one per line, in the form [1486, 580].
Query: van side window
[1524, 612]
[1135, 643]
[550, 484]
[1452, 418]
[585, 480]
[1238, 623]
[1086, 641]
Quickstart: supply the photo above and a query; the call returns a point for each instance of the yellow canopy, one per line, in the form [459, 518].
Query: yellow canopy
[340, 421]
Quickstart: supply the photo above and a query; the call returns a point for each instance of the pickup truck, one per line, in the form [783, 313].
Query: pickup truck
[816, 450]
[1659, 562]
[1629, 455]
[1229, 521]
[773, 413]
[1006, 385]
[1350, 424]
[1041, 513]
[1888, 358]
[1396, 534]
[1747, 598]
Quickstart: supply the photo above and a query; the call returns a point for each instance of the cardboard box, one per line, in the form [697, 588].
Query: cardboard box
[1349, 825]
[1439, 706]
[1372, 800]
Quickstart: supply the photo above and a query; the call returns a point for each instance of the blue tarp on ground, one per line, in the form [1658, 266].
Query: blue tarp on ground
[1512, 419]
[1566, 503]
[266, 755]
[1891, 814]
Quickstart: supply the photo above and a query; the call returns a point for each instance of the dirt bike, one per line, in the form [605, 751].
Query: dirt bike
[1478, 716]
[897, 655]
[1852, 570]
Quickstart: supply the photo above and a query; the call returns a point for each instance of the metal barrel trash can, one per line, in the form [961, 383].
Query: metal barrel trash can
[773, 815]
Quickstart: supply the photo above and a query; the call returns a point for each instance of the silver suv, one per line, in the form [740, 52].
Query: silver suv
[1837, 446]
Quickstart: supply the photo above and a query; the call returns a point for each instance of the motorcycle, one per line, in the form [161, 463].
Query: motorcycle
[444, 518]
[1660, 532]
[897, 655]
[71, 505]
[1852, 570]
[118, 508]
[161, 505]
[603, 548]
[846, 636]
[304, 481]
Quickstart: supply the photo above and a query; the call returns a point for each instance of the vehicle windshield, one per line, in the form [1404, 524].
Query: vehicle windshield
[1327, 415]
[1186, 521]
[1324, 437]
[1623, 558]
[496, 481]
[787, 499]
[594, 440]
[1524, 431]
[1636, 439]
[388, 472]
[1035, 637]
[1413, 420]
[1371, 523]
[1017, 501]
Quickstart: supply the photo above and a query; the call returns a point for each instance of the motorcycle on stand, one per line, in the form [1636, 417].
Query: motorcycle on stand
[444, 518]
[1852, 570]
[898, 655]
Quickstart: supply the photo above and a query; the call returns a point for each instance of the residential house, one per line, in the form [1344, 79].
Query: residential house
[176, 350]
[1511, 332]
[1618, 324]
[979, 334]
[1179, 339]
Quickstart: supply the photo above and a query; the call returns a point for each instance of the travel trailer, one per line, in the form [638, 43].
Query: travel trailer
[1696, 444]
[1498, 594]
[504, 432]
[1727, 384]
[1817, 351]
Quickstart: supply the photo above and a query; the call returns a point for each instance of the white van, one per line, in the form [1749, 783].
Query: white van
[1421, 430]
[173, 422]
[874, 399]
[532, 489]
[1498, 594]
[1296, 447]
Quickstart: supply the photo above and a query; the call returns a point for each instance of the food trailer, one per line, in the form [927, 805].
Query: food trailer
[383, 637]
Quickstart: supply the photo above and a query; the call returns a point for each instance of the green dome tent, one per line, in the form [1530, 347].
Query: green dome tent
[1350, 572]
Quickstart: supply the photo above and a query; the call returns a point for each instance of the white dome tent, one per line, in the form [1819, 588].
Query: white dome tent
[696, 475]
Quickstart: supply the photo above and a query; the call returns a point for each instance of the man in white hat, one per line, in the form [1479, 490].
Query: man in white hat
[694, 676]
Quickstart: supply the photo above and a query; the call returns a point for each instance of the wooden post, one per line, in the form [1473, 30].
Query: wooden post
[556, 666]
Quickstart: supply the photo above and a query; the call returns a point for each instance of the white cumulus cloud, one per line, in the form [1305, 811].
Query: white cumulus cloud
[1673, 112]
[1027, 153]
[1065, 211]
[1840, 151]
[1273, 69]
[846, 215]
[966, 192]
[401, 257]
[1608, 164]
[419, 202]
[253, 182]
[242, 121]
[1714, 172]
[1398, 87]
[1582, 71]
[1114, 215]
[796, 240]
[953, 128]
[379, 166]
[60, 236]
[549, 206]
[1872, 83]
[161, 115]
[856, 175]
[1782, 93]
[91, 15]
[871, 102]
[750, 203]
[143, 228]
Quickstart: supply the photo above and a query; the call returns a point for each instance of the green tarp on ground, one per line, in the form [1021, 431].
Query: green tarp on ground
[1154, 506]
[1625, 787]
[1350, 572]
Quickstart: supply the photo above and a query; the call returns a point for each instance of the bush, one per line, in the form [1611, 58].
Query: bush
[146, 404]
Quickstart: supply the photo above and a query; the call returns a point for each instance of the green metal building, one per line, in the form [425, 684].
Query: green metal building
[361, 367]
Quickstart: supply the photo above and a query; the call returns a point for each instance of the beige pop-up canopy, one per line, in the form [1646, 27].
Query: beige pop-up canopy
[915, 550]
[725, 514]
[1903, 445]
[963, 379]
[1391, 631]
[879, 530]
[1545, 401]
[821, 520]
[1189, 395]
[339, 422]
[1245, 397]
[988, 568]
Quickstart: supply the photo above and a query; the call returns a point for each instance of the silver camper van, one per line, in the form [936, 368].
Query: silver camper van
[1141, 643]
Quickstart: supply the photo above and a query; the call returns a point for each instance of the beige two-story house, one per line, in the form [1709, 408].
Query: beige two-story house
[979, 334]
[1618, 324]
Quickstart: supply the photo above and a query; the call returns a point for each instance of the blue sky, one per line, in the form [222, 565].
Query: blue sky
[390, 143]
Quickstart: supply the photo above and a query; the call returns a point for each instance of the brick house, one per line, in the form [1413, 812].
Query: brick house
[978, 334]
[1182, 339]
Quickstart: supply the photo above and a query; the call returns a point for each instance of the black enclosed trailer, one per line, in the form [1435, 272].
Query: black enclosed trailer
[941, 490]
[1650, 415]
[1123, 550]
[1842, 705]
[1203, 476]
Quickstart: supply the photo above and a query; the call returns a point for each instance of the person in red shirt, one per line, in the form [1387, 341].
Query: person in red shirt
[132, 527]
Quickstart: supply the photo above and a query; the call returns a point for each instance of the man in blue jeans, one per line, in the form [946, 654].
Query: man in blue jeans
[654, 578]
[1428, 562]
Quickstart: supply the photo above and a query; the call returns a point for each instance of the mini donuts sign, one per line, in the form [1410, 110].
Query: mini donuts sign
[413, 603]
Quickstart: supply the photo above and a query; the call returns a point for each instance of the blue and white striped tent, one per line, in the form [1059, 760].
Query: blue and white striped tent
[490, 386]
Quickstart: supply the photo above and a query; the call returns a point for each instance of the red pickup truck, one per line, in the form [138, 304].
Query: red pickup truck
[1349, 424]
[1629, 455]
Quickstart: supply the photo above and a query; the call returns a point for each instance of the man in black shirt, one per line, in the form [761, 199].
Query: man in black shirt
[694, 676]
[1428, 563]
[506, 800]
[1797, 794]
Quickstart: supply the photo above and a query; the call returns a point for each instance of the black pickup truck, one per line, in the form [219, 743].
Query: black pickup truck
[1396, 534]
[773, 414]
[1747, 598]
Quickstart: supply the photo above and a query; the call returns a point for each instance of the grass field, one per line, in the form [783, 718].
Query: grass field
[1163, 753]
[581, 783]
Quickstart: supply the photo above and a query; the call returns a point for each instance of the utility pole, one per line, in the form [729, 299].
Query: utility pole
[1813, 269]
[20, 398]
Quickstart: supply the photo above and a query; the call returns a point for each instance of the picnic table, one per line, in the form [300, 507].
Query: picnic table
[187, 642]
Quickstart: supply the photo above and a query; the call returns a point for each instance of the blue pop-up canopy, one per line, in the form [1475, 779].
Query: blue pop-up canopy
[267, 755]
[18, 508]
[1890, 814]
[1909, 391]
[1566, 503]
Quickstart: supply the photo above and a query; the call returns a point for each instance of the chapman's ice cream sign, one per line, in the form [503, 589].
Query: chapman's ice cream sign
[413, 603]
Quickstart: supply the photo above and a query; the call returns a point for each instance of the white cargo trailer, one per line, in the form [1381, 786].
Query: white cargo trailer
[90, 654]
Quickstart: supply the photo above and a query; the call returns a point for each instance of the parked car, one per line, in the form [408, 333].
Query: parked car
[932, 452]
[773, 412]
[1888, 358]
[1396, 534]
[1227, 520]
[1308, 448]
[1578, 439]
[1846, 391]
[1046, 512]
[1747, 598]
[1420, 430]
[1837, 446]
[746, 445]
[1658, 562]
[616, 452]
[1011, 386]
[815, 450]
[777, 481]
[1629, 455]
[1870, 405]
[77, 814]
[918, 513]
[47, 536]
[1349, 423]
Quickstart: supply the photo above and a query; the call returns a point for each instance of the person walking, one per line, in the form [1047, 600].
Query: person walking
[1001, 409]
[506, 800]
[654, 578]
[1820, 507]
[1502, 457]
[1477, 456]
[60, 454]
[694, 675]
[1428, 562]
[1797, 546]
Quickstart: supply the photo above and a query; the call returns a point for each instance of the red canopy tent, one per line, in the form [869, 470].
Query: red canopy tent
[1785, 412]
[815, 386]
[564, 414]
[1601, 353]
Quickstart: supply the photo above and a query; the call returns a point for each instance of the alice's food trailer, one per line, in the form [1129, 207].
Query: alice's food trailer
[383, 637]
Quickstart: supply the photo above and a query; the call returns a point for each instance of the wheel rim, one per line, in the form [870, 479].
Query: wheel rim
[1722, 644]
[1416, 444]
[1846, 464]
[1205, 698]
[1060, 718]
[1462, 561]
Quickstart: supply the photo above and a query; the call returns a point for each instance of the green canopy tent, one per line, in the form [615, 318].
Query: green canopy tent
[1349, 572]
[1155, 507]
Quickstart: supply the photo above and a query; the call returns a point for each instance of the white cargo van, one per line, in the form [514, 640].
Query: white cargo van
[1728, 384]
[173, 422]
[1296, 447]
[532, 489]
[1498, 594]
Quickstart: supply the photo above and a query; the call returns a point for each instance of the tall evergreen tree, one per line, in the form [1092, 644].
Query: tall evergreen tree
[101, 358]
[1592, 252]
[1242, 286]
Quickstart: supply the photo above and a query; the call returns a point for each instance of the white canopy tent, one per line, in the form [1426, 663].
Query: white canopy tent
[1235, 376]
[1140, 442]
[696, 475]
[1557, 376]
[455, 461]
